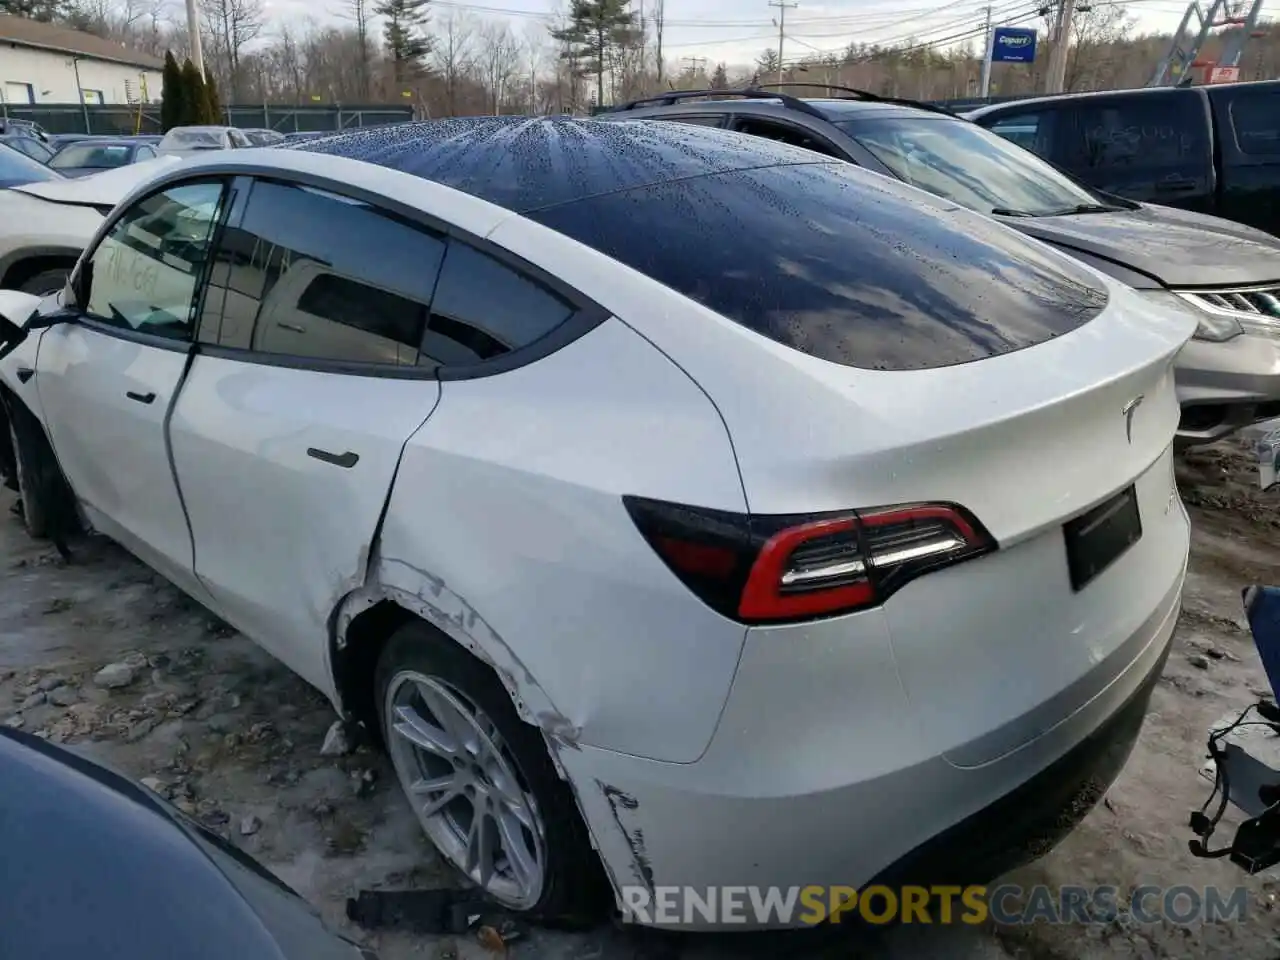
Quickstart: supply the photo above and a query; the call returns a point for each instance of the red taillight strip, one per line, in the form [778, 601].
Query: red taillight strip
[760, 597]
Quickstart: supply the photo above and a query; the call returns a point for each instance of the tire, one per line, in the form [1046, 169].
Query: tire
[46, 500]
[46, 282]
[573, 888]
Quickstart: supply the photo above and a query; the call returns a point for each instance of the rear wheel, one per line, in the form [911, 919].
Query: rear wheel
[480, 780]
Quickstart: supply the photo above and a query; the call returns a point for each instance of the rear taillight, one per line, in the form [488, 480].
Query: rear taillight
[767, 569]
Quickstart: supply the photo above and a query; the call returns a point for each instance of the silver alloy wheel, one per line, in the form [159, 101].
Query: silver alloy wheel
[466, 788]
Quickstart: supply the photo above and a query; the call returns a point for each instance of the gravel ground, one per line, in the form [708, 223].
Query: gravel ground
[202, 715]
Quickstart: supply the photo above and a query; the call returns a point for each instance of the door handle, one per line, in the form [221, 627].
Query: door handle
[140, 397]
[347, 459]
[292, 328]
[1175, 186]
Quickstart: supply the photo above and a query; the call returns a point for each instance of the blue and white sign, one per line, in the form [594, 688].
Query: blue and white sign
[1013, 45]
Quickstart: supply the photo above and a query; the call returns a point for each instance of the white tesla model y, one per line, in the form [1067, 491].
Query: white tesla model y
[672, 502]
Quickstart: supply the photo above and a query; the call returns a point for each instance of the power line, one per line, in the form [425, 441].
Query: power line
[783, 6]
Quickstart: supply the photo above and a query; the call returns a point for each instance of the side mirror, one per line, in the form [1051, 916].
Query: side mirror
[18, 317]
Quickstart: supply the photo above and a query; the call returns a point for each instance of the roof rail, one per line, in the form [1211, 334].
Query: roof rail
[857, 94]
[747, 93]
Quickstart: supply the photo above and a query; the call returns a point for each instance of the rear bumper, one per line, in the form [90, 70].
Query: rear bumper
[1225, 386]
[849, 806]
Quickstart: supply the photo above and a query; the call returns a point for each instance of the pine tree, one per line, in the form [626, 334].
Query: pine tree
[595, 30]
[213, 101]
[172, 95]
[194, 100]
[405, 34]
[46, 11]
[720, 78]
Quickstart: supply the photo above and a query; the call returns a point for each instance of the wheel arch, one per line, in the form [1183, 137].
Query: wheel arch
[367, 617]
[20, 266]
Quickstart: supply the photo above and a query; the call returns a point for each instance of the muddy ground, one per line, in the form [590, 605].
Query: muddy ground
[230, 736]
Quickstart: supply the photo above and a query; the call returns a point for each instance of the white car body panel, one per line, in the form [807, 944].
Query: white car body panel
[493, 534]
[242, 427]
[84, 380]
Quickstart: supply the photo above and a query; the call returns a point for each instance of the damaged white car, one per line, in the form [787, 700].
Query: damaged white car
[679, 504]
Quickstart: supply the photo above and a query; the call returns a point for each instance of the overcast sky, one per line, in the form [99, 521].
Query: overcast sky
[735, 31]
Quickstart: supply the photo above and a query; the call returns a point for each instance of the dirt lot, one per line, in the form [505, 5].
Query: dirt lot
[216, 725]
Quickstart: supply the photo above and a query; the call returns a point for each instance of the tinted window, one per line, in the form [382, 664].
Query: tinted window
[145, 272]
[841, 264]
[783, 133]
[483, 309]
[1255, 117]
[967, 164]
[311, 274]
[705, 120]
[1031, 131]
[92, 155]
[1137, 132]
[17, 168]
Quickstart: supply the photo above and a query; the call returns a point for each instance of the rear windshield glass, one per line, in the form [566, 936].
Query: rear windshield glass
[193, 138]
[840, 264]
[91, 155]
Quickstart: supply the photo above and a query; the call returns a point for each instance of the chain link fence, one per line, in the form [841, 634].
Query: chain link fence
[122, 119]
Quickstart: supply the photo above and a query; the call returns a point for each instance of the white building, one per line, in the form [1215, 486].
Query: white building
[44, 63]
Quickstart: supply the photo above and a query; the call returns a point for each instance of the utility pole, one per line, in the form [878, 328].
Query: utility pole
[783, 6]
[695, 64]
[988, 45]
[1056, 76]
[193, 31]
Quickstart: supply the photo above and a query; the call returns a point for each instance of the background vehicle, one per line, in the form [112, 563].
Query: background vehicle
[480, 547]
[60, 140]
[187, 141]
[46, 220]
[1210, 149]
[33, 147]
[1228, 376]
[98, 866]
[93, 156]
[264, 138]
[17, 168]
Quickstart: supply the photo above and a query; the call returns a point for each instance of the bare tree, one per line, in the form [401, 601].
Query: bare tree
[659, 24]
[498, 60]
[454, 54]
[359, 11]
[232, 24]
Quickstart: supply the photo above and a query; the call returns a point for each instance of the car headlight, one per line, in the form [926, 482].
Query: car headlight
[1214, 327]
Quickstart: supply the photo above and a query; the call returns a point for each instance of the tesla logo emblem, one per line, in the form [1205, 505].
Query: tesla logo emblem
[1128, 412]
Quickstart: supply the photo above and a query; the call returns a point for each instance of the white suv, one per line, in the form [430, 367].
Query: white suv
[679, 503]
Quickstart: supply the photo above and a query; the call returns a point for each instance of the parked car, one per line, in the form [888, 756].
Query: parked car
[46, 219]
[264, 138]
[309, 135]
[98, 866]
[59, 140]
[93, 156]
[1213, 149]
[26, 127]
[187, 141]
[647, 487]
[17, 168]
[33, 147]
[1227, 274]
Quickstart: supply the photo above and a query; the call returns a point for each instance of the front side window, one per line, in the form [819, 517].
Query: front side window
[145, 273]
[965, 163]
[311, 274]
[1255, 118]
[1031, 131]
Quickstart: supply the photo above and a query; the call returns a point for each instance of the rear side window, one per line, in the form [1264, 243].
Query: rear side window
[1144, 131]
[311, 274]
[840, 264]
[1255, 118]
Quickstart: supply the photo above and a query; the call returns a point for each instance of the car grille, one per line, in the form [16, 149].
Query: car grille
[1256, 301]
